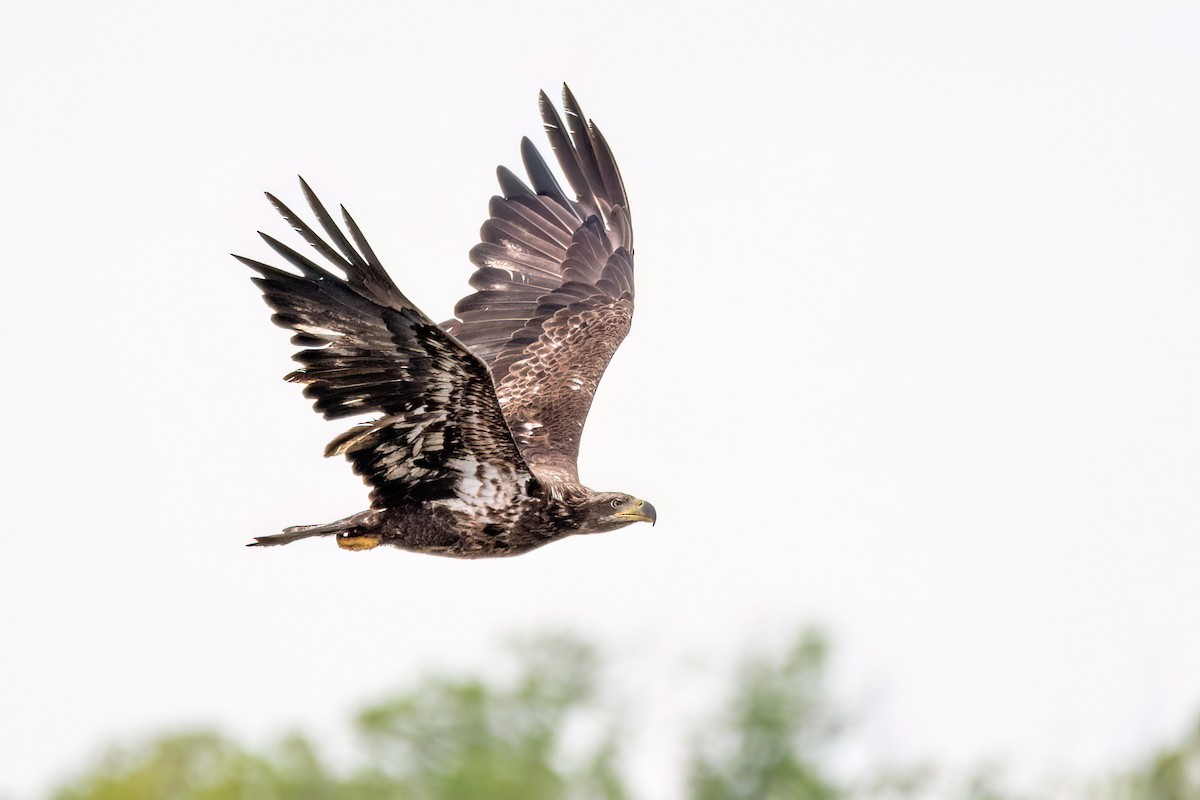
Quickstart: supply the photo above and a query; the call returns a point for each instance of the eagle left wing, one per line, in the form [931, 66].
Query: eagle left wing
[369, 349]
[554, 287]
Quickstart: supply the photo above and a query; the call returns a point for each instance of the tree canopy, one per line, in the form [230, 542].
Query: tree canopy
[546, 728]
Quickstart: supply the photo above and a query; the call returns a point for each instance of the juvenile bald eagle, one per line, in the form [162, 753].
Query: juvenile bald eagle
[473, 450]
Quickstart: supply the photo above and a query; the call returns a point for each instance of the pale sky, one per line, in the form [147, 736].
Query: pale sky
[915, 359]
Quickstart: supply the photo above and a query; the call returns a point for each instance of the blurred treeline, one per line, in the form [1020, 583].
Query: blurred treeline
[543, 728]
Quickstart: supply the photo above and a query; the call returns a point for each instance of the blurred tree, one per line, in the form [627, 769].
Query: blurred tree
[487, 739]
[1172, 773]
[535, 726]
[204, 766]
[771, 742]
[444, 739]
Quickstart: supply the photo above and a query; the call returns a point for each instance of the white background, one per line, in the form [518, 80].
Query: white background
[915, 359]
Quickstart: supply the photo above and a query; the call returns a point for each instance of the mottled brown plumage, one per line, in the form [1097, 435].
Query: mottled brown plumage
[472, 448]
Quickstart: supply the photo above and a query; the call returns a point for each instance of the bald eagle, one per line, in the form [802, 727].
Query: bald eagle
[472, 451]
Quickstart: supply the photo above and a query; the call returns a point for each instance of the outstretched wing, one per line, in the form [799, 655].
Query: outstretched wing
[368, 349]
[554, 288]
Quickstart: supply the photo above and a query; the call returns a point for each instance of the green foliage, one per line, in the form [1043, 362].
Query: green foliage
[1172, 773]
[771, 743]
[538, 727]
[204, 766]
[467, 738]
[460, 738]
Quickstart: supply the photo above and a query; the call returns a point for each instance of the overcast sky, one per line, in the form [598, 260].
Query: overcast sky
[915, 359]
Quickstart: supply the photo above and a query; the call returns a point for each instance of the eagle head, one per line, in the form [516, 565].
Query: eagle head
[607, 511]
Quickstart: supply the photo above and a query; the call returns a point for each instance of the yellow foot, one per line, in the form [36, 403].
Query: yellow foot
[347, 542]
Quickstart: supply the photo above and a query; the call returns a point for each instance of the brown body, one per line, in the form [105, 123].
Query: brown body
[446, 529]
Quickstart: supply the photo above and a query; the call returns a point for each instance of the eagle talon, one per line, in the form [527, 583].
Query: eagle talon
[348, 541]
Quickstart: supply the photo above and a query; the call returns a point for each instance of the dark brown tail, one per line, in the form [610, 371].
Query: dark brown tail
[298, 532]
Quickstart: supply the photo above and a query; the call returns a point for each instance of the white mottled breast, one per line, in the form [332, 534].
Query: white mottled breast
[487, 491]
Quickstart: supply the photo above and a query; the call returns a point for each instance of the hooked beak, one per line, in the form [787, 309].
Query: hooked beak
[639, 511]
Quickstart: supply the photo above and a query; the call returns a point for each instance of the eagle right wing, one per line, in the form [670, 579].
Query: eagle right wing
[554, 288]
[367, 348]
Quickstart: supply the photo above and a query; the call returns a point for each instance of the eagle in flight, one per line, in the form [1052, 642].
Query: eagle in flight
[472, 451]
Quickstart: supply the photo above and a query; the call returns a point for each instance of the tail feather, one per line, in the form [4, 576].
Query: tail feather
[298, 532]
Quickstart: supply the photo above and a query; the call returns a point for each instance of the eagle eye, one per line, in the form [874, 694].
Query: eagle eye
[616, 502]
